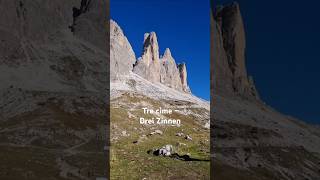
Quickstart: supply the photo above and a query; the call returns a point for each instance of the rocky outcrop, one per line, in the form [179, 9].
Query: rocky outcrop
[92, 19]
[23, 21]
[43, 65]
[35, 19]
[122, 57]
[160, 69]
[76, 12]
[249, 138]
[221, 77]
[183, 77]
[169, 73]
[229, 46]
[148, 66]
[37, 45]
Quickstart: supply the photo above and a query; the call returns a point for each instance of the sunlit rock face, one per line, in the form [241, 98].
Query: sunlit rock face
[151, 65]
[121, 53]
[148, 66]
[183, 77]
[170, 75]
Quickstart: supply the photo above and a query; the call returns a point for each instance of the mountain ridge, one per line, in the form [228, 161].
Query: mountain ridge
[151, 65]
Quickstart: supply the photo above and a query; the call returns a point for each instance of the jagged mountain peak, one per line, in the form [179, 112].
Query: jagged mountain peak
[114, 24]
[150, 37]
[232, 8]
[122, 56]
[150, 65]
[167, 58]
[150, 48]
[167, 53]
[230, 74]
[184, 76]
[251, 137]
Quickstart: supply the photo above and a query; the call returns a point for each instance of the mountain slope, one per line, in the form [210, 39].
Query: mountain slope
[53, 74]
[155, 82]
[251, 139]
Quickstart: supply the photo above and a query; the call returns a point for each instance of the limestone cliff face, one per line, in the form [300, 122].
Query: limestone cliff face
[23, 21]
[183, 76]
[53, 45]
[35, 19]
[148, 65]
[169, 74]
[151, 66]
[160, 69]
[122, 57]
[93, 20]
[46, 65]
[229, 47]
[221, 73]
[248, 136]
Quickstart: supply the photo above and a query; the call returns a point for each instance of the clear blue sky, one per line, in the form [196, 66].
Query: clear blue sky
[181, 25]
[283, 54]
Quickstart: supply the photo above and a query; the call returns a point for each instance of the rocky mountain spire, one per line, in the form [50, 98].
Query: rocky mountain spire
[122, 56]
[167, 53]
[170, 75]
[150, 48]
[229, 45]
[148, 65]
[183, 76]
